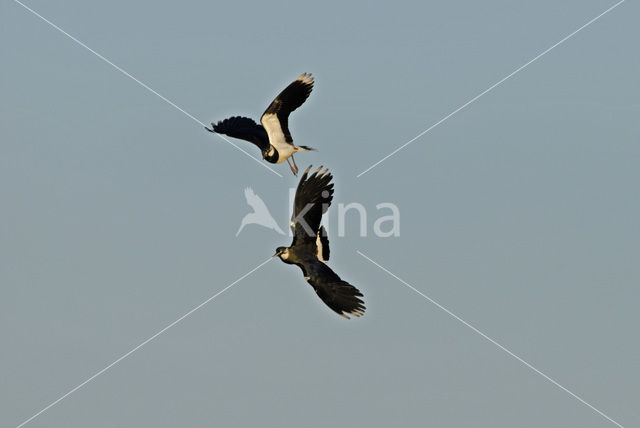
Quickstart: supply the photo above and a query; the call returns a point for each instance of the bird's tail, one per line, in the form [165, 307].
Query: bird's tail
[304, 149]
[322, 245]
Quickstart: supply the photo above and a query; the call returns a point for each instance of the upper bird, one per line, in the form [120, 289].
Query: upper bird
[273, 136]
[309, 249]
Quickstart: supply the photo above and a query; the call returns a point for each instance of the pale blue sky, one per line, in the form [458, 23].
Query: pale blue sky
[520, 214]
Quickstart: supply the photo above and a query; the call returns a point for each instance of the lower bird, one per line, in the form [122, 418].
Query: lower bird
[309, 249]
[272, 137]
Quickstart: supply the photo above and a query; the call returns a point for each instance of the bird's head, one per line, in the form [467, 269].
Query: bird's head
[282, 253]
[270, 154]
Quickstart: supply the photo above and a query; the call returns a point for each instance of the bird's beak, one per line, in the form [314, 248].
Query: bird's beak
[275, 255]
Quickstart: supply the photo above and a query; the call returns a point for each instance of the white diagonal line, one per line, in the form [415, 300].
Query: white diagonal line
[522, 67]
[490, 340]
[144, 343]
[162, 97]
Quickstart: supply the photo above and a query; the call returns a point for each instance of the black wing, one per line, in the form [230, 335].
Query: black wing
[277, 114]
[243, 128]
[313, 197]
[340, 296]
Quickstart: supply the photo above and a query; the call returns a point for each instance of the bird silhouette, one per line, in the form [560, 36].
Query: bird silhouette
[260, 214]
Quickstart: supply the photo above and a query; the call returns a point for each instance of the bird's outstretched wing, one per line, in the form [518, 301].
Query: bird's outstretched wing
[275, 118]
[243, 128]
[313, 197]
[254, 201]
[340, 296]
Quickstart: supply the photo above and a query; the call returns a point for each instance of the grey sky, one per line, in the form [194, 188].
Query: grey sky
[520, 214]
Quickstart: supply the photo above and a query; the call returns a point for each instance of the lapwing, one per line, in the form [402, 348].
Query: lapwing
[309, 249]
[272, 137]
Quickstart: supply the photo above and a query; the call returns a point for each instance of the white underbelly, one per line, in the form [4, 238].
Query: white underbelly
[284, 151]
[276, 137]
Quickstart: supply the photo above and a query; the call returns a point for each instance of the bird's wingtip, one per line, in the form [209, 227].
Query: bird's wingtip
[306, 78]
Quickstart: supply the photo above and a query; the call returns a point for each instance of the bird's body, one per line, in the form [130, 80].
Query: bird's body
[309, 249]
[272, 135]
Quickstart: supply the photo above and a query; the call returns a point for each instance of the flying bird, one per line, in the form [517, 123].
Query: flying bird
[309, 249]
[260, 214]
[272, 137]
